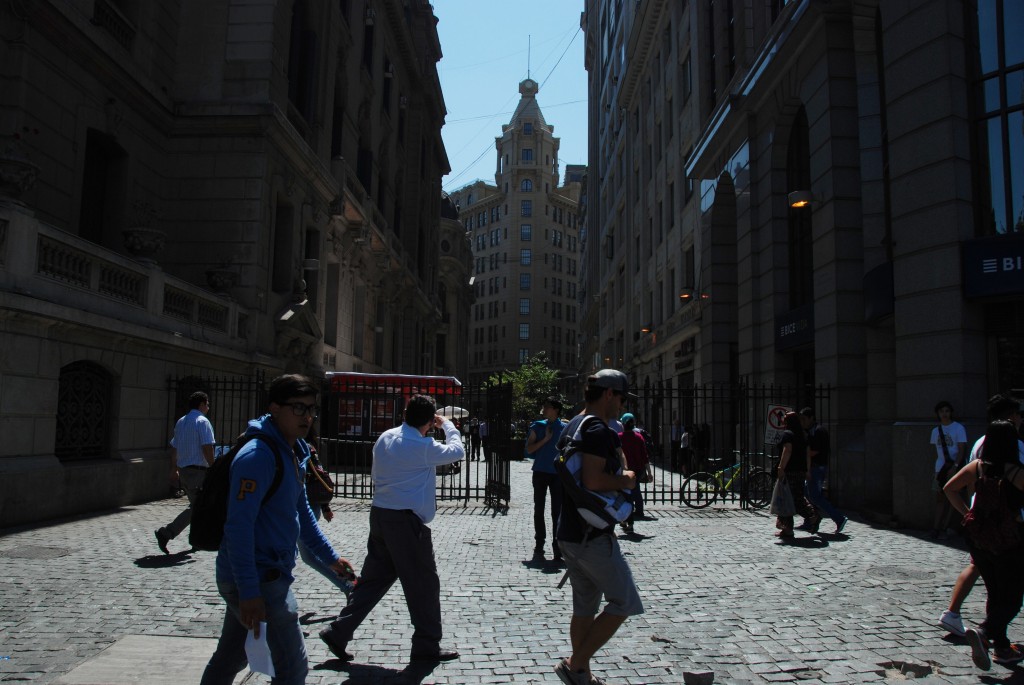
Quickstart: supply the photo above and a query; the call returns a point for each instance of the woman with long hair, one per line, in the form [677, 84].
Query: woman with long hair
[793, 467]
[1001, 565]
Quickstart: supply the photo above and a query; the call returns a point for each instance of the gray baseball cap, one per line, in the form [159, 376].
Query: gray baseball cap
[612, 378]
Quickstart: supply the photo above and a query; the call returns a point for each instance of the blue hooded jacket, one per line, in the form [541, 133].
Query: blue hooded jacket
[259, 537]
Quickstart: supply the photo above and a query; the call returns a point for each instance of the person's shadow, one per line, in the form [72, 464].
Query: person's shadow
[804, 542]
[165, 560]
[369, 674]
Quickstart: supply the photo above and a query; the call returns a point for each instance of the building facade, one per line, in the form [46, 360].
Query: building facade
[850, 179]
[207, 189]
[524, 232]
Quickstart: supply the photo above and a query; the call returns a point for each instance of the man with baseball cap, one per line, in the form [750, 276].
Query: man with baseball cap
[592, 556]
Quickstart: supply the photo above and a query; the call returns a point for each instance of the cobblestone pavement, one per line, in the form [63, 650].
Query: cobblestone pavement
[721, 594]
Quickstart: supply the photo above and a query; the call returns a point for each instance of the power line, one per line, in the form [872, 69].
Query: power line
[496, 114]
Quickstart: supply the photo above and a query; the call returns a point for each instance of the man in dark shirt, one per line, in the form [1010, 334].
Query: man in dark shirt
[595, 563]
[818, 449]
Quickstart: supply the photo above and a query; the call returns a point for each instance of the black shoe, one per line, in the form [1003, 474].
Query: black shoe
[539, 554]
[162, 540]
[337, 648]
[439, 655]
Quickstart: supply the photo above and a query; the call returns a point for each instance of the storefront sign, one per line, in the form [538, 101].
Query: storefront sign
[795, 327]
[994, 266]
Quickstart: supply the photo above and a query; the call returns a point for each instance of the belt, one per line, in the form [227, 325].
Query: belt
[201, 468]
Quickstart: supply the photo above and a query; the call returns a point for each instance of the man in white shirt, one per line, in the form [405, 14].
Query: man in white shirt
[950, 441]
[400, 548]
[1000, 407]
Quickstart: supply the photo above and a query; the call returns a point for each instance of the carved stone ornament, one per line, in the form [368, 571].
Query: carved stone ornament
[222, 279]
[144, 243]
[17, 172]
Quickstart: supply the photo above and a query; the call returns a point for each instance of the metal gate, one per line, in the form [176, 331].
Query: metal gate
[726, 426]
[357, 408]
[233, 401]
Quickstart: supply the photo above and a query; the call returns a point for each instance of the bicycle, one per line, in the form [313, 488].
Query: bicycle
[753, 484]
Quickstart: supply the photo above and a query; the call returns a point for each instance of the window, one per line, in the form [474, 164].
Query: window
[526, 186]
[524, 281]
[524, 331]
[524, 305]
[528, 128]
[524, 354]
[84, 395]
[526, 208]
[525, 256]
[528, 154]
[526, 232]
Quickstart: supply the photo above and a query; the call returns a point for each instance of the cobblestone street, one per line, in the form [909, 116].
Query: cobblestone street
[721, 594]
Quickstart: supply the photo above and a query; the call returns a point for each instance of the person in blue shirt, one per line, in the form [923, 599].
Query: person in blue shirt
[256, 559]
[541, 444]
[405, 459]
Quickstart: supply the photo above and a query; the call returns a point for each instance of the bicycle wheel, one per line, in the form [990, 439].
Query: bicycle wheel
[759, 489]
[699, 490]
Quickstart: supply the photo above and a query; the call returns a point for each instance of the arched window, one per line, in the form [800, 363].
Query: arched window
[84, 412]
[526, 186]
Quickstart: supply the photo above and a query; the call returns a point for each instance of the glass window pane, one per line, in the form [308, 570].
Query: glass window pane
[991, 90]
[992, 143]
[1014, 88]
[1013, 31]
[987, 35]
[1016, 169]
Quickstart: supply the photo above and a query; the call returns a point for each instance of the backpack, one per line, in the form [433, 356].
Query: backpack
[210, 509]
[991, 523]
[597, 509]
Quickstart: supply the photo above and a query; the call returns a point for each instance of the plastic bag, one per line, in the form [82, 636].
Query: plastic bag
[782, 499]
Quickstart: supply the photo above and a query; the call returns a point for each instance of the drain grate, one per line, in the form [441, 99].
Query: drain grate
[34, 552]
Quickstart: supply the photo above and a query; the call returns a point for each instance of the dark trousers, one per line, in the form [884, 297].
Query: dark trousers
[544, 483]
[399, 548]
[803, 507]
[1004, 580]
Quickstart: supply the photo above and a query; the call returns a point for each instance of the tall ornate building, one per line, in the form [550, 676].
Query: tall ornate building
[205, 189]
[810, 192]
[525, 239]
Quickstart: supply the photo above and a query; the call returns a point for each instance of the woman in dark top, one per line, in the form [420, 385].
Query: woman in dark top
[1003, 572]
[793, 466]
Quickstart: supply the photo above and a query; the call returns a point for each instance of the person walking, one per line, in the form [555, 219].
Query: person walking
[191, 454]
[594, 562]
[950, 440]
[256, 560]
[634, 446]
[400, 548]
[319, 492]
[819, 449]
[542, 444]
[998, 481]
[793, 467]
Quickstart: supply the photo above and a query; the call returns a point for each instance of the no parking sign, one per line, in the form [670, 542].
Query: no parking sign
[775, 423]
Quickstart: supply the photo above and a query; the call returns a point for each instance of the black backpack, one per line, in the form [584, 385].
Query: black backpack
[991, 523]
[210, 510]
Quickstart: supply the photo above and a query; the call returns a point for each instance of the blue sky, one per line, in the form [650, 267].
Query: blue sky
[484, 43]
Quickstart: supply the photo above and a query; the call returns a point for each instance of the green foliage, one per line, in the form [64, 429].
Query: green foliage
[532, 383]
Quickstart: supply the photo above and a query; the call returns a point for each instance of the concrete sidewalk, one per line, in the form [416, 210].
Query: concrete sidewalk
[92, 600]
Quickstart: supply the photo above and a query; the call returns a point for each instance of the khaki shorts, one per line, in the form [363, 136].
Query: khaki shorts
[598, 568]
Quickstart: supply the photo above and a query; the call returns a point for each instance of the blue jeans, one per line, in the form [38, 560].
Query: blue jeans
[815, 481]
[287, 646]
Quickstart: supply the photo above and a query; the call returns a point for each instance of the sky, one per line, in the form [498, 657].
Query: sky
[487, 47]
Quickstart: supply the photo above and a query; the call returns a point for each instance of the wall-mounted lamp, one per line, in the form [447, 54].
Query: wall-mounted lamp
[686, 295]
[647, 328]
[800, 198]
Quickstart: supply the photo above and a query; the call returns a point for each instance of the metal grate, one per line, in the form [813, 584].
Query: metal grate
[84, 394]
[34, 552]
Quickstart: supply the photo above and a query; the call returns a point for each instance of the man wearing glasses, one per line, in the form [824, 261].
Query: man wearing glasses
[256, 559]
[400, 548]
[191, 455]
[595, 563]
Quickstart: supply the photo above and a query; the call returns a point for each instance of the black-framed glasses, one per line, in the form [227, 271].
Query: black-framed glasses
[301, 408]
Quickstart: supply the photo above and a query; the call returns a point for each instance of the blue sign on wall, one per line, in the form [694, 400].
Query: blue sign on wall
[993, 266]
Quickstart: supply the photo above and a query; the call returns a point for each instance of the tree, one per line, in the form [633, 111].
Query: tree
[532, 383]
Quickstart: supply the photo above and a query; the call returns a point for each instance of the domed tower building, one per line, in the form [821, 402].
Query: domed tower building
[524, 232]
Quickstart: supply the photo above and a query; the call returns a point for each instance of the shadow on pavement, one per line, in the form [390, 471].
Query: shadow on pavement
[307, 619]
[367, 674]
[806, 543]
[634, 536]
[165, 560]
[544, 565]
[1015, 677]
[834, 537]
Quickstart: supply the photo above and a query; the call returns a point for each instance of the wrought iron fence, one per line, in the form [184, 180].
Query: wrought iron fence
[233, 401]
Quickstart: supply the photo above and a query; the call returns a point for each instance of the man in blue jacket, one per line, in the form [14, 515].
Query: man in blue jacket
[542, 444]
[257, 556]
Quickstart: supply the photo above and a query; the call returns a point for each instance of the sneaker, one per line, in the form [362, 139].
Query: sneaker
[1008, 656]
[840, 524]
[979, 649]
[569, 676]
[162, 540]
[951, 621]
